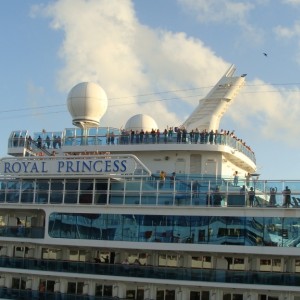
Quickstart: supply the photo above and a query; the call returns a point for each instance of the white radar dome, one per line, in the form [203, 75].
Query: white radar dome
[141, 121]
[87, 103]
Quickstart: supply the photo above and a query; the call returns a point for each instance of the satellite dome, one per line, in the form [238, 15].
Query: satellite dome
[141, 121]
[87, 103]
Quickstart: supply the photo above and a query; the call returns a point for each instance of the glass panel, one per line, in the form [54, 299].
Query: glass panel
[71, 288]
[42, 191]
[71, 191]
[107, 290]
[2, 191]
[101, 191]
[13, 191]
[27, 191]
[86, 191]
[56, 195]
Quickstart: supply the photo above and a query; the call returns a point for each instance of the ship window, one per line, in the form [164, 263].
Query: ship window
[103, 290]
[51, 253]
[13, 191]
[101, 187]
[201, 262]
[27, 191]
[86, 191]
[201, 295]
[46, 286]
[75, 288]
[165, 294]
[42, 191]
[266, 297]
[77, 255]
[71, 190]
[270, 265]
[18, 283]
[236, 263]
[297, 265]
[168, 260]
[231, 296]
[130, 294]
[57, 188]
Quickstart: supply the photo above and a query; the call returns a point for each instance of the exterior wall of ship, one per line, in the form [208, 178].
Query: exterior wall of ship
[188, 162]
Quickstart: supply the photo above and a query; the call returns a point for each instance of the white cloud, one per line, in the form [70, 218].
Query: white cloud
[228, 13]
[286, 32]
[104, 42]
[293, 2]
[218, 10]
[271, 112]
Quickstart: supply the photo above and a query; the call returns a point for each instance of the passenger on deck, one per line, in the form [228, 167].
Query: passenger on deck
[195, 188]
[286, 197]
[48, 142]
[251, 195]
[217, 196]
[172, 180]
[39, 142]
[243, 190]
[247, 177]
[235, 178]
[273, 192]
[197, 134]
[162, 178]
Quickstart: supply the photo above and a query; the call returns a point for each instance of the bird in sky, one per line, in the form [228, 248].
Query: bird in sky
[265, 54]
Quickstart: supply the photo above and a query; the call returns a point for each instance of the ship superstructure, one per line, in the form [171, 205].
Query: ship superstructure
[103, 213]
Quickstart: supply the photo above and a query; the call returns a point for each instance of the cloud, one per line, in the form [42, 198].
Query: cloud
[104, 42]
[286, 32]
[218, 10]
[272, 112]
[293, 2]
[234, 14]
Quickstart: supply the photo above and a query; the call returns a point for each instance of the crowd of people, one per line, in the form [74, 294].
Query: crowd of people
[155, 136]
[180, 135]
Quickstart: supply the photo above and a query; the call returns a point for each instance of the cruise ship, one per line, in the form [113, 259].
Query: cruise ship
[142, 212]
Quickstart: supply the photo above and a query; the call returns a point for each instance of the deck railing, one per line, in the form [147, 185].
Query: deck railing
[100, 136]
[185, 190]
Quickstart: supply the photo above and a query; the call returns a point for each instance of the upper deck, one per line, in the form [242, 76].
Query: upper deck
[97, 140]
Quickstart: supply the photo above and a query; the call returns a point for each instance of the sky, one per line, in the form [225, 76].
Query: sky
[158, 58]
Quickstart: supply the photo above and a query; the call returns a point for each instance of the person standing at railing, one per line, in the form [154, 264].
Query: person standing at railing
[197, 134]
[153, 135]
[131, 136]
[217, 196]
[286, 197]
[247, 177]
[192, 135]
[172, 180]
[142, 133]
[235, 178]
[165, 136]
[273, 192]
[178, 136]
[162, 179]
[195, 188]
[112, 138]
[251, 195]
[39, 142]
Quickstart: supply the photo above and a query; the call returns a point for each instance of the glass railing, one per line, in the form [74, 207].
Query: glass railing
[22, 232]
[167, 273]
[18, 294]
[185, 190]
[113, 136]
